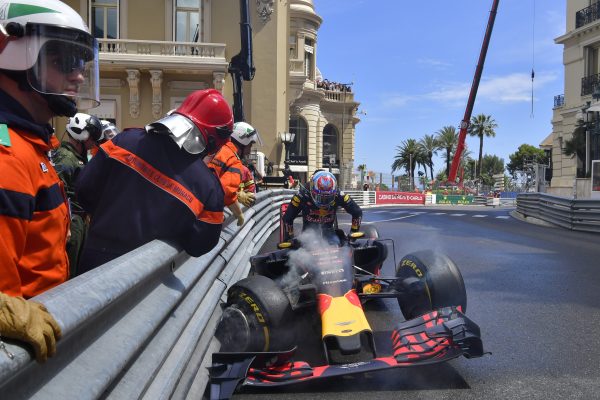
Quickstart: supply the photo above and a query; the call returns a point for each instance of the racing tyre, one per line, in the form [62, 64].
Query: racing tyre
[370, 231]
[431, 281]
[257, 317]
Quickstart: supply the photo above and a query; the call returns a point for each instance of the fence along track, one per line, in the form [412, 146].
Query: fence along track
[141, 326]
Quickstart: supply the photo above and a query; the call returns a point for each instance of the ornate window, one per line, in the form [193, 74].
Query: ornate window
[105, 19]
[330, 146]
[309, 58]
[298, 149]
[188, 21]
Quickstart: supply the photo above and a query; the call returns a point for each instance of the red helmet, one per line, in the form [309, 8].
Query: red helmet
[211, 114]
[323, 188]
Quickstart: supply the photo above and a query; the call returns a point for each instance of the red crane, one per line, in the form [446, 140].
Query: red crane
[464, 125]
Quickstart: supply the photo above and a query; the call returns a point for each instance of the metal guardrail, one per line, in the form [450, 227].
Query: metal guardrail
[577, 215]
[142, 325]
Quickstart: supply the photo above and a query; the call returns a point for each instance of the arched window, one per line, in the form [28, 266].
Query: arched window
[330, 146]
[298, 149]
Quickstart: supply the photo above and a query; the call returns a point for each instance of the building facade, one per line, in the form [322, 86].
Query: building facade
[153, 53]
[579, 107]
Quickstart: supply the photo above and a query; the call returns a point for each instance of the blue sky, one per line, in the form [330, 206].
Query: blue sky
[412, 64]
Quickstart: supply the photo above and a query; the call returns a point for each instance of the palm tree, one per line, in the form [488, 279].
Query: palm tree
[429, 146]
[447, 139]
[362, 168]
[408, 156]
[482, 125]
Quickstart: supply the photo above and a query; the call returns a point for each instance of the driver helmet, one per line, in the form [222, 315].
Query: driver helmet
[323, 188]
[109, 130]
[245, 134]
[82, 127]
[201, 124]
[43, 39]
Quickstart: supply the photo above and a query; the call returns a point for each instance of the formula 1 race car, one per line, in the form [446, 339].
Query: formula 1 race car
[327, 280]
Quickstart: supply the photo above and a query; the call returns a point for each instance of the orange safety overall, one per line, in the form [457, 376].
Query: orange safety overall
[228, 166]
[34, 216]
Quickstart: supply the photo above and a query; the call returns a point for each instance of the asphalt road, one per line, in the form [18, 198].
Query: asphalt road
[533, 290]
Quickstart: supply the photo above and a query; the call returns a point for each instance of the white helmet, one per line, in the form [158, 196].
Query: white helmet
[109, 130]
[244, 134]
[82, 126]
[46, 38]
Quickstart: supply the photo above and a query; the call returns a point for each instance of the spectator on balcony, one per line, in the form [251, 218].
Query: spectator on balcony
[152, 183]
[47, 64]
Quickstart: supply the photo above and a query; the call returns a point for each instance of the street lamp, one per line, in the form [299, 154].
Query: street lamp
[287, 138]
[591, 122]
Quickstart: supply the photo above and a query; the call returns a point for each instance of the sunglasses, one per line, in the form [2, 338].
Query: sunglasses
[68, 64]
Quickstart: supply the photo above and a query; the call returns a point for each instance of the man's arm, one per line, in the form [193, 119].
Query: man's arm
[351, 208]
[294, 208]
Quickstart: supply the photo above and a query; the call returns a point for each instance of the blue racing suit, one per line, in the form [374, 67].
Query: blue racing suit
[315, 217]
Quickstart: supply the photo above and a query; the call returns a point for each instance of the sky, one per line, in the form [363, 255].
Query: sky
[412, 65]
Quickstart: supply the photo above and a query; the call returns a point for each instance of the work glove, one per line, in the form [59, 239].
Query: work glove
[246, 198]
[30, 322]
[237, 212]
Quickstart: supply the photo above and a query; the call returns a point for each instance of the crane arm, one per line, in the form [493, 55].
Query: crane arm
[464, 125]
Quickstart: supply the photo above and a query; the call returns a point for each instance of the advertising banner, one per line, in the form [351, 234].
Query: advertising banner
[399, 198]
[454, 199]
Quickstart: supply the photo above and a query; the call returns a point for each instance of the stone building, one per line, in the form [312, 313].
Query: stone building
[571, 176]
[155, 52]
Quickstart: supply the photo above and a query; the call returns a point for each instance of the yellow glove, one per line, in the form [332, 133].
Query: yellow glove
[246, 198]
[29, 322]
[237, 211]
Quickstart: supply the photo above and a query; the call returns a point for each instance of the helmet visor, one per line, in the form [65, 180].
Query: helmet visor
[65, 62]
[323, 199]
[185, 133]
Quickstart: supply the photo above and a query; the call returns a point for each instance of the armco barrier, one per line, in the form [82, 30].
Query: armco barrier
[142, 325]
[577, 215]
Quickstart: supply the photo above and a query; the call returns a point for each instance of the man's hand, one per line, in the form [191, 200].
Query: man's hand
[30, 322]
[237, 212]
[247, 199]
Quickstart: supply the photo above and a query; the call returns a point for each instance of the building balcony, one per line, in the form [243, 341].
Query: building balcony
[587, 15]
[338, 96]
[206, 57]
[559, 100]
[589, 83]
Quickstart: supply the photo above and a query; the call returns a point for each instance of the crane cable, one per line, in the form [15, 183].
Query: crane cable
[532, 59]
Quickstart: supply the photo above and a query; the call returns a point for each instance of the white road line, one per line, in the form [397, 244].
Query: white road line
[439, 213]
[457, 215]
[479, 216]
[503, 217]
[379, 212]
[381, 220]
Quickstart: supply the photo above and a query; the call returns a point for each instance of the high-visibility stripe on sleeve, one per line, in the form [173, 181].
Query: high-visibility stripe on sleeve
[222, 168]
[49, 198]
[163, 182]
[16, 204]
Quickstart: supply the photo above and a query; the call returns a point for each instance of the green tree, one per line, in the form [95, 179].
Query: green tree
[525, 153]
[482, 126]
[491, 165]
[447, 139]
[429, 146]
[408, 155]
